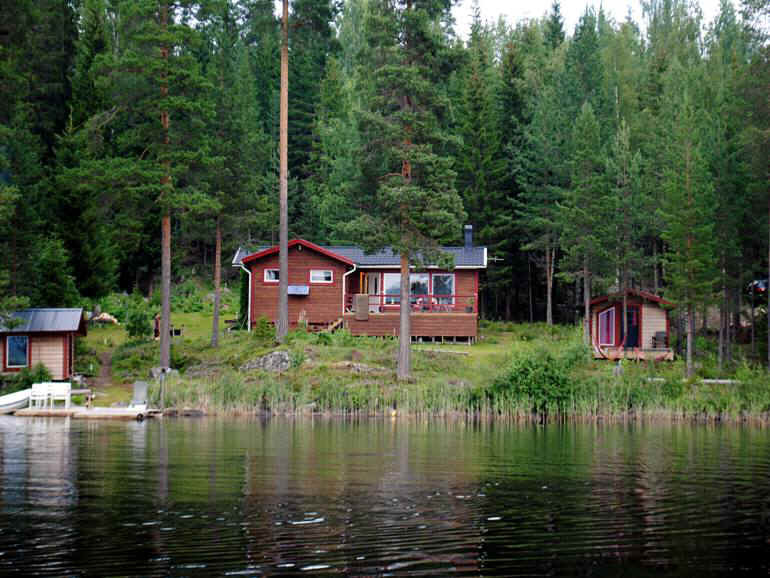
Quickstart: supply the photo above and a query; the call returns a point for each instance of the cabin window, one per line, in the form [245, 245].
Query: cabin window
[444, 284]
[607, 327]
[391, 283]
[16, 349]
[419, 287]
[272, 275]
[321, 276]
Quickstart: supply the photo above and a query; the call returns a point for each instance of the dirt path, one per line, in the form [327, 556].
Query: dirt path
[104, 379]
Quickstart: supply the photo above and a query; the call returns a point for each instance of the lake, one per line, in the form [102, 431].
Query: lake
[381, 497]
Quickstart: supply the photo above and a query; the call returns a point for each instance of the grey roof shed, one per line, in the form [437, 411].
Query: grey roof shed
[47, 321]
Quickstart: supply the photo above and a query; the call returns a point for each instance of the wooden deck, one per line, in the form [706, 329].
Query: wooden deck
[635, 353]
[430, 325]
[78, 412]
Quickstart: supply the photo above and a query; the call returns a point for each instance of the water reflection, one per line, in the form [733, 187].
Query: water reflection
[252, 497]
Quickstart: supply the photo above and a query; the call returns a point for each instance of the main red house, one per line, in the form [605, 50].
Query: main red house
[330, 287]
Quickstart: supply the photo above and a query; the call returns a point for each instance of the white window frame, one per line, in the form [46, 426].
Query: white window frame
[608, 311]
[443, 300]
[278, 275]
[322, 281]
[7, 356]
[391, 299]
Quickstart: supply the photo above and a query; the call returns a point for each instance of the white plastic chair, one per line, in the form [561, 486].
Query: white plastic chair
[38, 397]
[60, 391]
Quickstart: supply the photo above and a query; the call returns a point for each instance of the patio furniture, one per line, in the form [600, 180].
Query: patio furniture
[38, 396]
[60, 391]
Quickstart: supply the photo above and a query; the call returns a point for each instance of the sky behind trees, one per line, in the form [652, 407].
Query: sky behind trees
[571, 10]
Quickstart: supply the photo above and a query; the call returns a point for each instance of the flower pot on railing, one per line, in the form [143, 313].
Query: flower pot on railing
[469, 303]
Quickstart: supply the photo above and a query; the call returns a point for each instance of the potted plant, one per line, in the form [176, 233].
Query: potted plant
[469, 303]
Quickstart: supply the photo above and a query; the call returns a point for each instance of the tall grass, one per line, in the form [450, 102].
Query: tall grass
[518, 372]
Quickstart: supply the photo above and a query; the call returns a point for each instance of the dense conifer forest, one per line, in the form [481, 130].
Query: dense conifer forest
[616, 155]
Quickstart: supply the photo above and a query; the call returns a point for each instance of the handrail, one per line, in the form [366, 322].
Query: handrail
[422, 303]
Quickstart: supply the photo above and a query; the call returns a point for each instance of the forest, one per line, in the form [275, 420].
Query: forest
[620, 154]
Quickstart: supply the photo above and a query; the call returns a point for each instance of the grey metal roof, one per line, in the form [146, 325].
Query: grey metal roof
[471, 257]
[43, 320]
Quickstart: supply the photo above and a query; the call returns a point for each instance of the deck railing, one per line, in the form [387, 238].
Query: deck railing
[427, 303]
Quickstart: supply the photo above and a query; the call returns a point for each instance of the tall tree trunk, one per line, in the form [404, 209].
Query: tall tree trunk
[217, 284]
[690, 339]
[165, 258]
[283, 281]
[405, 329]
[586, 303]
[549, 257]
[655, 280]
[722, 319]
[531, 292]
[753, 320]
[768, 287]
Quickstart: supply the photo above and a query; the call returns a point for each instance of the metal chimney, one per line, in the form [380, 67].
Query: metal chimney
[468, 230]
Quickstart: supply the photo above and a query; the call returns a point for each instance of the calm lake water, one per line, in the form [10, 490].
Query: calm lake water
[381, 497]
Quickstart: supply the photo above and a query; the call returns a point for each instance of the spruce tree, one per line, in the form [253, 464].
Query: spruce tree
[687, 208]
[585, 209]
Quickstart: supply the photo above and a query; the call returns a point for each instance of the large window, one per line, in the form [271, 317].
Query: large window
[444, 284]
[321, 276]
[419, 287]
[16, 349]
[391, 283]
[607, 327]
[272, 275]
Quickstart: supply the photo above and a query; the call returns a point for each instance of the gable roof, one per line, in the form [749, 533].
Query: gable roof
[47, 320]
[646, 295]
[471, 258]
[293, 243]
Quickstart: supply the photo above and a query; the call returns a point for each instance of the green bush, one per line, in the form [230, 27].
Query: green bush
[539, 382]
[138, 323]
[263, 330]
[26, 377]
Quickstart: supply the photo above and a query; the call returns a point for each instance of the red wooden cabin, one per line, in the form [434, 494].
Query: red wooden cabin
[647, 321]
[330, 287]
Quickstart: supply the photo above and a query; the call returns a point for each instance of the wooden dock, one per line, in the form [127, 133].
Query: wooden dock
[78, 412]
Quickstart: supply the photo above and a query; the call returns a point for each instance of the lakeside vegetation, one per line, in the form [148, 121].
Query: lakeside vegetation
[515, 371]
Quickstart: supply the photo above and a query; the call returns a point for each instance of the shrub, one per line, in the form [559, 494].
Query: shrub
[138, 323]
[540, 381]
[27, 376]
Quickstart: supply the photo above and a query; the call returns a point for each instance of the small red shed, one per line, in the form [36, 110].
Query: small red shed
[44, 336]
[648, 335]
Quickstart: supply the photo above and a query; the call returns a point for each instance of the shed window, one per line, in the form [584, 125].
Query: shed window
[16, 349]
[321, 276]
[607, 327]
[272, 275]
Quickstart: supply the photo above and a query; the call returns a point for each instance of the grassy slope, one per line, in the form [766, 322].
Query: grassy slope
[339, 374]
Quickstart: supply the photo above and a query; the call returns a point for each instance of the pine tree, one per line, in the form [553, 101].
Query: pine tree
[154, 79]
[407, 198]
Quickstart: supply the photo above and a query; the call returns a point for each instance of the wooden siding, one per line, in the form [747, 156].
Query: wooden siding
[49, 350]
[423, 324]
[654, 320]
[322, 305]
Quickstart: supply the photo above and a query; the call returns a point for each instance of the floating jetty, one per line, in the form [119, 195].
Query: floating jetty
[76, 412]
